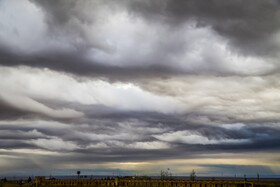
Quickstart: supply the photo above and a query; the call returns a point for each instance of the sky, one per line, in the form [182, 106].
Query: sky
[133, 87]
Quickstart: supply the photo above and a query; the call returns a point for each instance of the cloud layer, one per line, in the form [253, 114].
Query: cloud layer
[139, 86]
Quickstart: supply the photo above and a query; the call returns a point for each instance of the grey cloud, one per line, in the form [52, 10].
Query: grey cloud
[7, 112]
[10, 113]
[76, 64]
[13, 144]
[249, 23]
[211, 70]
[169, 57]
[112, 136]
[105, 128]
[105, 134]
[13, 164]
[17, 135]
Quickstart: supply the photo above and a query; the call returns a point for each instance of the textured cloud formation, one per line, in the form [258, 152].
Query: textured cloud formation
[139, 86]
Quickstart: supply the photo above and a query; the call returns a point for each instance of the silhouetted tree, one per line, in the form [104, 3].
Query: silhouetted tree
[165, 174]
[245, 178]
[162, 174]
[192, 175]
[78, 173]
[29, 179]
[258, 176]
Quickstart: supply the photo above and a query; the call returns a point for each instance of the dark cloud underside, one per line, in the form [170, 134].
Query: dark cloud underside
[123, 85]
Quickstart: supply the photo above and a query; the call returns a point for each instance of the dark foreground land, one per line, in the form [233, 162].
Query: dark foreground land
[132, 182]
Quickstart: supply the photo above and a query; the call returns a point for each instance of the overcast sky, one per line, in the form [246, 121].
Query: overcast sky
[137, 86]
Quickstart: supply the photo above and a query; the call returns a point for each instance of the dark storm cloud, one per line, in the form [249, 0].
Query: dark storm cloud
[115, 138]
[12, 144]
[76, 64]
[18, 135]
[110, 130]
[115, 133]
[106, 81]
[248, 23]
[243, 20]
[8, 112]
